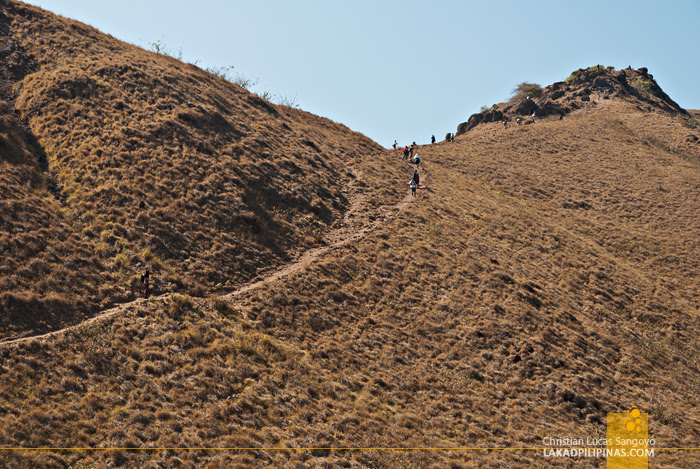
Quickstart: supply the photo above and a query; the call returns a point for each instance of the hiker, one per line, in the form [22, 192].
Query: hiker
[411, 148]
[517, 120]
[405, 153]
[145, 280]
[412, 185]
[505, 124]
[416, 177]
[533, 117]
[416, 160]
[394, 145]
[432, 139]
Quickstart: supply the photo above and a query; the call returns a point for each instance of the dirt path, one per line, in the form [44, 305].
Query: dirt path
[359, 221]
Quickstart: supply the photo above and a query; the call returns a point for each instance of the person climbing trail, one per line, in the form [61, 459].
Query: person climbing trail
[405, 153]
[416, 177]
[533, 117]
[394, 145]
[416, 160]
[505, 124]
[413, 186]
[145, 280]
[432, 139]
[411, 148]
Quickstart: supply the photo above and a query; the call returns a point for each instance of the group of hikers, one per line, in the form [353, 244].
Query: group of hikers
[408, 154]
[532, 119]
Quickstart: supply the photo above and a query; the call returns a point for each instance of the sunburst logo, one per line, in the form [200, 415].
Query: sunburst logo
[634, 423]
[628, 444]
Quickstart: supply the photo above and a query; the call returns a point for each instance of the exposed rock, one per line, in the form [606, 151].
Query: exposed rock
[603, 83]
[526, 107]
[577, 92]
[548, 108]
[489, 115]
[557, 94]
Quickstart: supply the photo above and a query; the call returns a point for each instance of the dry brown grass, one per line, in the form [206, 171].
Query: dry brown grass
[533, 287]
[162, 165]
[546, 275]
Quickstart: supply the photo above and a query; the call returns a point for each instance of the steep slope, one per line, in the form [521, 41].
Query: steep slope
[545, 275]
[162, 164]
[48, 272]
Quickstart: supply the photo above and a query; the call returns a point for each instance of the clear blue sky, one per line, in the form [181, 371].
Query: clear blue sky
[407, 69]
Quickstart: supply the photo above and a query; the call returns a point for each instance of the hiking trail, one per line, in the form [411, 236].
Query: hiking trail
[360, 220]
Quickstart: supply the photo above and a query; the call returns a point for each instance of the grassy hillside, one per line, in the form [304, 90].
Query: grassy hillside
[159, 164]
[49, 273]
[545, 275]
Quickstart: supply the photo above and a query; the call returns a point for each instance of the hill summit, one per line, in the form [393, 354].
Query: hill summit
[575, 92]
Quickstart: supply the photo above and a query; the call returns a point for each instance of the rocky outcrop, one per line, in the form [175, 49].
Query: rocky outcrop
[489, 115]
[576, 92]
[526, 107]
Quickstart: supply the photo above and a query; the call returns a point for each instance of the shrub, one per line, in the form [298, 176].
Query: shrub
[279, 99]
[121, 261]
[93, 341]
[644, 87]
[526, 89]
[221, 306]
[179, 305]
[226, 72]
[160, 48]
[151, 258]
[286, 101]
[595, 70]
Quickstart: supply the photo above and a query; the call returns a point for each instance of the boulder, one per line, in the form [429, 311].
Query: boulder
[493, 115]
[557, 86]
[549, 108]
[474, 120]
[602, 83]
[489, 115]
[526, 107]
[556, 94]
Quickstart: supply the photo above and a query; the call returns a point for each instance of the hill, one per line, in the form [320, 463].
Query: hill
[581, 88]
[140, 160]
[545, 275]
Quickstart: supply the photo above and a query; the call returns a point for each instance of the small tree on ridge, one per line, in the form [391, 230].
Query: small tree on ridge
[524, 89]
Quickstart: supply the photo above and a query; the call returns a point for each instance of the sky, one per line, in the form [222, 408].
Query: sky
[408, 69]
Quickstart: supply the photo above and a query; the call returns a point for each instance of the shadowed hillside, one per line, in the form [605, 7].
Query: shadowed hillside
[545, 275]
[160, 164]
